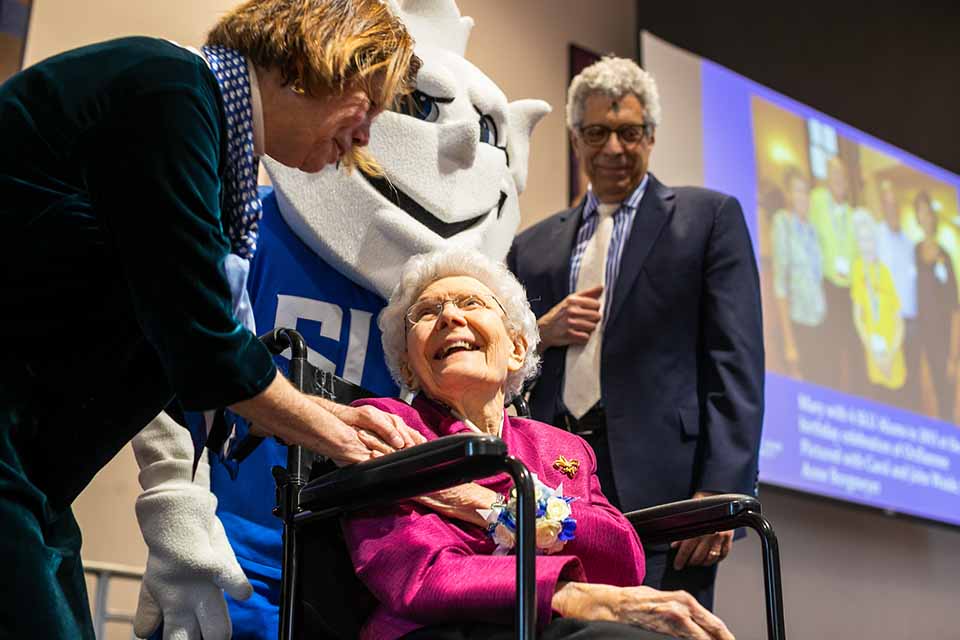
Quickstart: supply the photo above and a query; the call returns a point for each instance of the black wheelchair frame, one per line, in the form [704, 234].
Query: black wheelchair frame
[453, 460]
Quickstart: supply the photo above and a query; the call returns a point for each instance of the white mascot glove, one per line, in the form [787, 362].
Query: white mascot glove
[190, 563]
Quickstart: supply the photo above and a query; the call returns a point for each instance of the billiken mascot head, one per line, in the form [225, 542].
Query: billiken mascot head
[454, 159]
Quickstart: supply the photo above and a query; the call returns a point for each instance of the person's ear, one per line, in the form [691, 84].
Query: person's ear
[409, 380]
[519, 353]
[574, 143]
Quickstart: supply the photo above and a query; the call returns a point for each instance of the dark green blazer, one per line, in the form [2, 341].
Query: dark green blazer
[114, 295]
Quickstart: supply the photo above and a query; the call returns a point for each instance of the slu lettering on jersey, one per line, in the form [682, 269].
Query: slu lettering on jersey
[290, 286]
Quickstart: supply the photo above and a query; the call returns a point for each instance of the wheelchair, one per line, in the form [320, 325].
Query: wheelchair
[321, 597]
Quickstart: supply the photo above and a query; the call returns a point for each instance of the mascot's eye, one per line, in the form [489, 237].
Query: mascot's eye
[421, 106]
[488, 130]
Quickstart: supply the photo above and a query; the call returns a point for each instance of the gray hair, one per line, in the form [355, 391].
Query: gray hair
[615, 78]
[424, 269]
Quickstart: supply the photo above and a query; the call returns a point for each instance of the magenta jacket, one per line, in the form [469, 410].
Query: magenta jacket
[425, 569]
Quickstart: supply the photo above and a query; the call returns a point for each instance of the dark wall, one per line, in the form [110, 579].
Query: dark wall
[889, 69]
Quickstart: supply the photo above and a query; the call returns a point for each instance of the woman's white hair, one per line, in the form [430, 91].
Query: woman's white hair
[613, 77]
[424, 269]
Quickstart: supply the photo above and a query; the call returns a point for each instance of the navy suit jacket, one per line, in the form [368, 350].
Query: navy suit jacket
[682, 363]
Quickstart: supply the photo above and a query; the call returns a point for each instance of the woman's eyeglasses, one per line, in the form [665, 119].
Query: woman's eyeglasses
[429, 309]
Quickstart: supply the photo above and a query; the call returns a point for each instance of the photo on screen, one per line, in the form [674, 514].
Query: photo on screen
[14, 20]
[858, 254]
[858, 247]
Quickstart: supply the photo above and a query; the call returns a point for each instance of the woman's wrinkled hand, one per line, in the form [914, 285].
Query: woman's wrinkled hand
[461, 502]
[380, 432]
[674, 613]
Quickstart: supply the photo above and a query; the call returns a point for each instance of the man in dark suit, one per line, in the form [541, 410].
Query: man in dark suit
[648, 302]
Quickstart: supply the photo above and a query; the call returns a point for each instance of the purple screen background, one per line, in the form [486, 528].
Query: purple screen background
[836, 445]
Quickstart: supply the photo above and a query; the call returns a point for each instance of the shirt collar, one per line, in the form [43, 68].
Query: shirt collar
[256, 107]
[256, 103]
[631, 202]
[444, 421]
[475, 428]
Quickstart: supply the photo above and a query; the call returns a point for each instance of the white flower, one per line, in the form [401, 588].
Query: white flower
[557, 509]
[504, 537]
[542, 491]
[547, 532]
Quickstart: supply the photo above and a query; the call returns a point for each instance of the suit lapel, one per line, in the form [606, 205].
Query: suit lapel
[655, 209]
[557, 255]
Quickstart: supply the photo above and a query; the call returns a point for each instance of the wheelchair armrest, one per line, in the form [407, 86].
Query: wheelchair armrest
[689, 518]
[430, 466]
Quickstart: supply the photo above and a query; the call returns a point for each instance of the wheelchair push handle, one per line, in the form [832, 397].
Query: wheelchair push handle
[281, 339]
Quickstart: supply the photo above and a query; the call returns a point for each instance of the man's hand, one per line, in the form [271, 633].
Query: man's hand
[702, 551]
[674, 613]
[572, 320]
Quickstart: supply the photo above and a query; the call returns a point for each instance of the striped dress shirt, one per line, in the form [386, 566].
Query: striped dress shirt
[622, 224]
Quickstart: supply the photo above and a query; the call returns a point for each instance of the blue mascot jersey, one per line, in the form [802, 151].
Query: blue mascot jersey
[291, 286]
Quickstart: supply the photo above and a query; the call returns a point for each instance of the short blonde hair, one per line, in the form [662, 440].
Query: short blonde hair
[424, 269]
[326, 46]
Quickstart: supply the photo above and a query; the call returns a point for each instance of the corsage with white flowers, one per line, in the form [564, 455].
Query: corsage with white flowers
[555, 526]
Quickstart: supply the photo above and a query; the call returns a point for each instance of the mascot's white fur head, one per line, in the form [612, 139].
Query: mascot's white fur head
[454, 165]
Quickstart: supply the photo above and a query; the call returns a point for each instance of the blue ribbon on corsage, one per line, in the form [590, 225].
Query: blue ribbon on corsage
[555, 524]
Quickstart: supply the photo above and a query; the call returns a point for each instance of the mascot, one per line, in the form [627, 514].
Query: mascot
[331, 244]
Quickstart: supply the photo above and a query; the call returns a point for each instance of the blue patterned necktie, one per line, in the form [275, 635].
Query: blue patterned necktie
[241, 203]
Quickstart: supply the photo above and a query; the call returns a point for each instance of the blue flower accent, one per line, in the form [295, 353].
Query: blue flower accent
[502, 516]
[568, 530]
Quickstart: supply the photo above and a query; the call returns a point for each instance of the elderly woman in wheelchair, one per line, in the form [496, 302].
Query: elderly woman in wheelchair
[458, 331]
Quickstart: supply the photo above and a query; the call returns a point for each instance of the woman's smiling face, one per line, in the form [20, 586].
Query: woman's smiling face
[460, 350]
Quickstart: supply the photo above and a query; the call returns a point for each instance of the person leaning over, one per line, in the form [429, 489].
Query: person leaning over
[127, 187]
